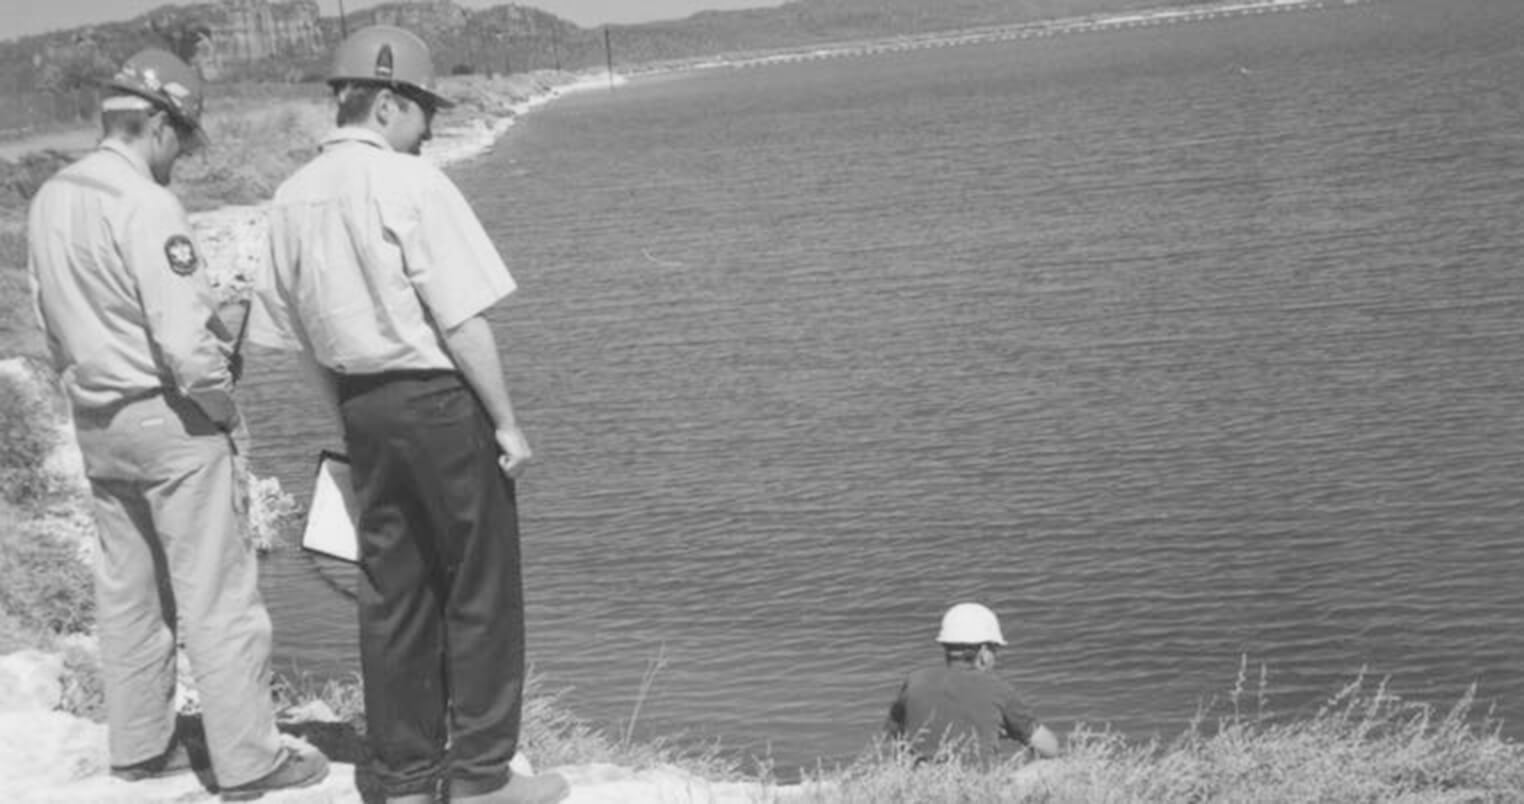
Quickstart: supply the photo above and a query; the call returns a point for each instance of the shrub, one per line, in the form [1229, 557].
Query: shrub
[84, 691]
[14, 637]
[27, 436]
[20, 180]
[252, 152]
[270, 510]
[344, 696]
[1363, 745]
[47, 587]
[13, 246]
[19, 334]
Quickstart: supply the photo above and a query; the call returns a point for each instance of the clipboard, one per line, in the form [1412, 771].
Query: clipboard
[330, 528]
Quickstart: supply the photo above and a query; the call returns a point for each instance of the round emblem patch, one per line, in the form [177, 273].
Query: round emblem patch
[181, 253]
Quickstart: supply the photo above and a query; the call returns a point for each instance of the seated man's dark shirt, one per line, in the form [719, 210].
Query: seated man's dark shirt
[962, 708]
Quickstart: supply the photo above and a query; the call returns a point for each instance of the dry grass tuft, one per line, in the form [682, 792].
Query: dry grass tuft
[1365, 744]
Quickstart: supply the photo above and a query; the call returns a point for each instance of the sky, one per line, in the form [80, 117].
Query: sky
[24, 17]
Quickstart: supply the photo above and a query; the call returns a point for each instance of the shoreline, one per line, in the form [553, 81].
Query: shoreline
[1042, 29]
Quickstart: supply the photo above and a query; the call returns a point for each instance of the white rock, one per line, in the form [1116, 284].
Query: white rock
[611, 784]
[30, 681]
[521, 765]
[39, 750]
[187, 699]
[314, 711]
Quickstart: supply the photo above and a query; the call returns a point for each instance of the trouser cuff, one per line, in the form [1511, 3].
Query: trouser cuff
[478, 785]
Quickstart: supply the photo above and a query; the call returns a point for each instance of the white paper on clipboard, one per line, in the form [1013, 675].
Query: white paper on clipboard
[331, 519]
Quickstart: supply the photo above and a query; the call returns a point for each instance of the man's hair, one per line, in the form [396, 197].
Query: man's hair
[356, 99]
[960, 651]
[125, 115]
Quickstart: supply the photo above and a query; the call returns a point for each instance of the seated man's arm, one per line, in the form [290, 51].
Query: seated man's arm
[1019, 724]
[1044, 742]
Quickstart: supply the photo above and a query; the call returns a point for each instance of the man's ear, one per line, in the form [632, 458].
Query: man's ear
[986, 656]
[157, 122]
[384, 106]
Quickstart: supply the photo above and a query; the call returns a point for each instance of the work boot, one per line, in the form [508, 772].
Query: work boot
[296, 769]
[546, 788]
[170, 763]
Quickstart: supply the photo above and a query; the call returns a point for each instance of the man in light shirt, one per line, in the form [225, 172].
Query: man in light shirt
[130, 318]
[379, 277]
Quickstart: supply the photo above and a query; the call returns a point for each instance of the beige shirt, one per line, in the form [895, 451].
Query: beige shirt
[121, 290]
[374, 254]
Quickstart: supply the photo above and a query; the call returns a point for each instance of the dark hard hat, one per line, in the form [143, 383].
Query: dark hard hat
[170, 84]
[388, 56]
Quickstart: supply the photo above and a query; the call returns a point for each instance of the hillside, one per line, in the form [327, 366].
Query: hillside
[48, 80]
[288, 41]
[805, 22]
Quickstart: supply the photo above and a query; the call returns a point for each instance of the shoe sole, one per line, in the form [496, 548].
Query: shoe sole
[250, 795]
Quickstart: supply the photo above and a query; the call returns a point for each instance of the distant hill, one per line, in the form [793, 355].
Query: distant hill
[805, 22]
[289, 41]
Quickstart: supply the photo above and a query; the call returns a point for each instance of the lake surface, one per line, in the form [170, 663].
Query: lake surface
[1175, 346]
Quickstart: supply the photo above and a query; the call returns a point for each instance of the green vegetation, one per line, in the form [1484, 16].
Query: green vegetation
[47, 587]
[1363, 745]
[255, 145]
[25, 439]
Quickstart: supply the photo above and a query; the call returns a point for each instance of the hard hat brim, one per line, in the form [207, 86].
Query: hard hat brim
[439, 101]
[198, 132]
[434, 99]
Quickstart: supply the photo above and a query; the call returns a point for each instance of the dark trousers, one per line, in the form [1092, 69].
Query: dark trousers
[440, 598]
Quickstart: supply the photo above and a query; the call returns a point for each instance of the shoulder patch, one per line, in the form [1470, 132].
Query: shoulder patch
[181, 253]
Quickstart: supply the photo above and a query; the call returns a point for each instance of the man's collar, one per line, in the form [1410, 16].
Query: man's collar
[361, 134]
[126, 152]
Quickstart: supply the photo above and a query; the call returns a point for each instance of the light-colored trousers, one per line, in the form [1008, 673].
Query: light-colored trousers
[176, 558]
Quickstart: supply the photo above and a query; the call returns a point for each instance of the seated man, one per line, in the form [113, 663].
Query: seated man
[962, 709]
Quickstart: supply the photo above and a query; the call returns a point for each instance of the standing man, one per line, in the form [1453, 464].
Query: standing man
[962, 710]
[379, 276]
[129, 315]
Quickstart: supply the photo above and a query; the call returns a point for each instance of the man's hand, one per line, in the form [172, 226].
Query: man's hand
[515, 449]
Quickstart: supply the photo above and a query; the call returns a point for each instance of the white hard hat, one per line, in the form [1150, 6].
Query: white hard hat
[970, 624]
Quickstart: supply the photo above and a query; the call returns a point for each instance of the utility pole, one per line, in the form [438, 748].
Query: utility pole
[343, 28]
[608, 54]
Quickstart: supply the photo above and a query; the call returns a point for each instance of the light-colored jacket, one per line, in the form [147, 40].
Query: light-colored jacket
[374, 255]
[121, 290]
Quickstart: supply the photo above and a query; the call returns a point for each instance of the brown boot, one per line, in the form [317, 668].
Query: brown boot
[296, 769]
[172, 762]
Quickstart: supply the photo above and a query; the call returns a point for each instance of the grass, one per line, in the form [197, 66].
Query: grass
[252, 151]
[47, 587]
[1363, 745]
[28, 434]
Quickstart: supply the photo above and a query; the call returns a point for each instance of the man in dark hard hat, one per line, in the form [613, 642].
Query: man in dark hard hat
[961, 709]
[379, 276]
[130, 318]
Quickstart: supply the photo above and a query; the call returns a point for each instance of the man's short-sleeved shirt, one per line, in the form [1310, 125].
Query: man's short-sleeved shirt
[959, 707]
[119, 285]
[374, 254]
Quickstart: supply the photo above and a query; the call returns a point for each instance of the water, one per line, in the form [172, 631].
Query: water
[1174, 346]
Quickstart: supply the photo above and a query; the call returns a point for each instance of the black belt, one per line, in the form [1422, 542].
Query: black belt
[351, 384]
